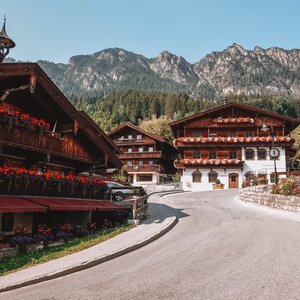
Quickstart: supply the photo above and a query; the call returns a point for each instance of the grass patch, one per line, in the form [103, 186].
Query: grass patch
[12, 264]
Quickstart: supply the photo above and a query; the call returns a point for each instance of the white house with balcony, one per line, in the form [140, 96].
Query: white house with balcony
[231, 146]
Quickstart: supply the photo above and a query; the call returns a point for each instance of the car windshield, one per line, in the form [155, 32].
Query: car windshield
[113, 184]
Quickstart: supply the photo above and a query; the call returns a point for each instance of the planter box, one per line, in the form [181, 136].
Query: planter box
[135, 222]
[8, 252]
[217, 186]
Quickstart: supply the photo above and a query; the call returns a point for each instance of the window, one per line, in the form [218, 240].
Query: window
[130, 137]
[196, 154]
[141, 162]
[231, 134]
[7, 222]
[233, 178]
[197, 176]
[261, 154]
[144, 177]
[129, 163]
[141, 149]
[197, 135]
[121, 137]
[212, 134]
[212, 155]
[249, 153]
[129, 150]
[113, 184]
[212, 176]
[150, 149]
[150, 162]
[139, 136]
[249, 133]
[232, 154]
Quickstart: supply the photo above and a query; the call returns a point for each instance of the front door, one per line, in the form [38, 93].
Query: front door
[233, 180]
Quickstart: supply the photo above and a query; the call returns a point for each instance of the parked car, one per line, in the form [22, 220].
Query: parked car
[122, 190]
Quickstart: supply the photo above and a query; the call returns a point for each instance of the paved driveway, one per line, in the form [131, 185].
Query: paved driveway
[220, 249]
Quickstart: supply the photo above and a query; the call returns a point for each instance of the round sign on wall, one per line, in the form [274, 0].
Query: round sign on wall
[274, 152]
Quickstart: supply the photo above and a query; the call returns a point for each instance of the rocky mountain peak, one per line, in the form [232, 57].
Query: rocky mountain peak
[234, 70]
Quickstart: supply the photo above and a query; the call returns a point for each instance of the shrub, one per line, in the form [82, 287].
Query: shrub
[287, 186]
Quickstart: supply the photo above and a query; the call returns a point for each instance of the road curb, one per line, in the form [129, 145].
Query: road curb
[94, 262]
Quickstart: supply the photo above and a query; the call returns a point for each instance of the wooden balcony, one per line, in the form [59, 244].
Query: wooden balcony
[29, 139]
[144, 168]
[133, 155]
[134, 141]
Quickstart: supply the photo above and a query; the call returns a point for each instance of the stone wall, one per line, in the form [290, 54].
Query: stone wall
[261, 195]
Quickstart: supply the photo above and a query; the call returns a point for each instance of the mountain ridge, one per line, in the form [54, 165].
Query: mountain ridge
[235, 70]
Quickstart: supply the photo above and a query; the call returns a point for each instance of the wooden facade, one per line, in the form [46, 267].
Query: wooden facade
[146, 157]
[72, 143]
[222, 139]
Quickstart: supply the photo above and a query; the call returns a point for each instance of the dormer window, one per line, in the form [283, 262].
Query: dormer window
[139, 136]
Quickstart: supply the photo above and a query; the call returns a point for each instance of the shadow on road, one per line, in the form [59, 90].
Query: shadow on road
[159, 212]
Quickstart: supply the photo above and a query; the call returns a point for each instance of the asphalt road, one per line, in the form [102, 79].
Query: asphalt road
[220, 249]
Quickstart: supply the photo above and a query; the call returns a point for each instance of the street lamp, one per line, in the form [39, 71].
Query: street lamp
[273, 152]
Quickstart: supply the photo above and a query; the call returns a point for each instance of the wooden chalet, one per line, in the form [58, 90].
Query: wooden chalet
[231, 144]
[45, 147]
[147, 157]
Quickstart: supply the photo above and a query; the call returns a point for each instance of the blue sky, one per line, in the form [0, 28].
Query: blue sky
[57, 29]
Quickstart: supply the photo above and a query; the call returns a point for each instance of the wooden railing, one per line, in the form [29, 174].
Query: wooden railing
[134, 141]
[128, 155]
[139, 206]
[145, 168]
[49, 143]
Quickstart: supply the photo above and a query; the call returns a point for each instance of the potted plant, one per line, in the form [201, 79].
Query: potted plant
[218, 184]
[65, 233]
[21, 239]
[261, 181]
[44, 235]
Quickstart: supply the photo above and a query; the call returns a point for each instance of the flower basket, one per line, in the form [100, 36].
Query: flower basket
[218, 186]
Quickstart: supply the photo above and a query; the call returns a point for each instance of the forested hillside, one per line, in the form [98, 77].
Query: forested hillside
[135, 106]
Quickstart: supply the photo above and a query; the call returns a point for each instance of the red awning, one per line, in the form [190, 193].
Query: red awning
[104, 205]
[76, 204]
[19, 205]
[62, 204]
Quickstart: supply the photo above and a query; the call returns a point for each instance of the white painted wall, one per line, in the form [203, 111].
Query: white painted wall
[205, 185]
[267, 165]
[256, 166]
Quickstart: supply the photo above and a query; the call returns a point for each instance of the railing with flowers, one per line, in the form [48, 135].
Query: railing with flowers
[10, 116]
[203, 162]
[255, 139]
[30, 182]
[234, 120]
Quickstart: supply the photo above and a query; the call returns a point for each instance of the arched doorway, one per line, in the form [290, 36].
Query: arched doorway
[233, 179]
